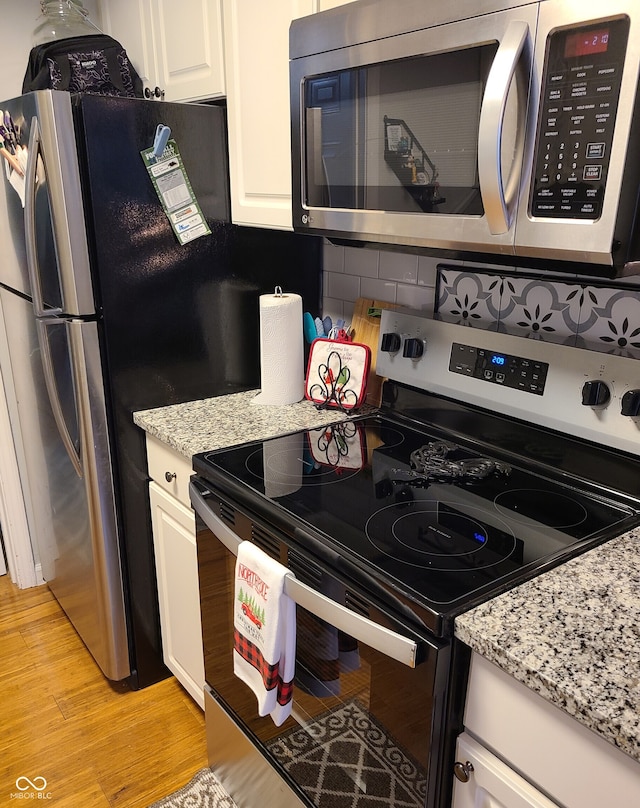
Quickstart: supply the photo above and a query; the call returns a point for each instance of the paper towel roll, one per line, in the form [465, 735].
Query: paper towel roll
[281, 349]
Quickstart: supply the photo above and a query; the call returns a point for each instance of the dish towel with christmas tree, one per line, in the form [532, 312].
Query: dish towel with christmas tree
[264, 641]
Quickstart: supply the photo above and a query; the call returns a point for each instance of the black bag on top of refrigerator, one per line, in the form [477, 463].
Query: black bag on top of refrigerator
[95, 63]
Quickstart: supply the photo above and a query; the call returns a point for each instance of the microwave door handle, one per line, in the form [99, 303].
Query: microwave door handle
[498, 202]
[33, 267]
[54, 397]
[388, 642]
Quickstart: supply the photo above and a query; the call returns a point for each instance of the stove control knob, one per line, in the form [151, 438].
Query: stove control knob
[391, 342]
[595, 394]
[413, 348]
[631, 403]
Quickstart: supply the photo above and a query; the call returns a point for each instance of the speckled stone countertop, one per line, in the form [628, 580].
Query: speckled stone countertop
[213, 423]
[573, 636]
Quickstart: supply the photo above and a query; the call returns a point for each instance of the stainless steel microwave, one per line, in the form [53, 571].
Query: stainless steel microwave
[508, 129]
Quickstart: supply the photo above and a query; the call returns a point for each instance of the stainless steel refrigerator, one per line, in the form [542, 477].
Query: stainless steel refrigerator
[106, 312]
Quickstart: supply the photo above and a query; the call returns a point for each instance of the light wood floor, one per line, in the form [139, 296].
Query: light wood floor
[97, 745]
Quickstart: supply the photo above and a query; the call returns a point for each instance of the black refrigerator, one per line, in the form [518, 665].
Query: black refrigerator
[106, 311]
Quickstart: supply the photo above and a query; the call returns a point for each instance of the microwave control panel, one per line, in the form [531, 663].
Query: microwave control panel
[581, 87]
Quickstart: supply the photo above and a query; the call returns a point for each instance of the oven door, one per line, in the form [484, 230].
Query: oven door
[370, 696]
[416, 138]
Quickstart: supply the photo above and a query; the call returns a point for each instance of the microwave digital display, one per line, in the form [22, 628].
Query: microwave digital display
[584, 44]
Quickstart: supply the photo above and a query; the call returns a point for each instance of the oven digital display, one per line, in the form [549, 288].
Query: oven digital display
[585, 43]
[518, 372]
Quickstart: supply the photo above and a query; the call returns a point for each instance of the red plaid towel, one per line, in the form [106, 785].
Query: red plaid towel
[264, 631]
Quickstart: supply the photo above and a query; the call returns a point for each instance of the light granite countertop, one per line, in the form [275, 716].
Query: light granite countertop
[573, 636]
[214, 423]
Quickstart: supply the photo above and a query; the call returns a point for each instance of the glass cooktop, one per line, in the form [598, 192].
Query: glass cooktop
[438, 521]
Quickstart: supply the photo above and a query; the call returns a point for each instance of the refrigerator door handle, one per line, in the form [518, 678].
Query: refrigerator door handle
[54, 397]
[34, 156]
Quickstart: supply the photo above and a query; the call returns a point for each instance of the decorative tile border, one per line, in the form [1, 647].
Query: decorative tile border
[610, 321]
[469, 298]
[540, 310]
[595, 318]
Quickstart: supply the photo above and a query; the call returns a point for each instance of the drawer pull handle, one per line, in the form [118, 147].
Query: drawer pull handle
[169, 476]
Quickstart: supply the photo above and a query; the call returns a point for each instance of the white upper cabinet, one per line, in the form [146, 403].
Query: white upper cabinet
[188, 40]
[256, 37]
[176, 47]
[199, 49]
[129, 22]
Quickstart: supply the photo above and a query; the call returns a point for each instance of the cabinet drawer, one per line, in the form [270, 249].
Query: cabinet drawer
[169, 469]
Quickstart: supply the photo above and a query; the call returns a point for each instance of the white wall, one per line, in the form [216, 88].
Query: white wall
[18, 22]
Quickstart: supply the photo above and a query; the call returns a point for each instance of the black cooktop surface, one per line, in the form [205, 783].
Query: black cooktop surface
[440, 520]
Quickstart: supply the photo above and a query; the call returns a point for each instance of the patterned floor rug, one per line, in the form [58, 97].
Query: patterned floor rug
[202, 791]
[346, 760]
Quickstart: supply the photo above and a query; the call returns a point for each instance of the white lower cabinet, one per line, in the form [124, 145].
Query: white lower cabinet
[491, 783]
[174, 538]
[528, 753]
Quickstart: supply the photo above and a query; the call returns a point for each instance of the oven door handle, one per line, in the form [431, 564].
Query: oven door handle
[388, 642]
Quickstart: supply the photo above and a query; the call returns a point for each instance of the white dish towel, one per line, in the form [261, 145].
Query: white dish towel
[264, 618]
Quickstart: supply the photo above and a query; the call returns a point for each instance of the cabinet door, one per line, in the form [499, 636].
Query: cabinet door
[129, 21]
[256, 36]
[175, 47]
[174, 541]
[189, 49]
[491, 783]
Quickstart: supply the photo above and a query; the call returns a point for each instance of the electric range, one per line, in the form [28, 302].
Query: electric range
[442, 502]
[492, 459]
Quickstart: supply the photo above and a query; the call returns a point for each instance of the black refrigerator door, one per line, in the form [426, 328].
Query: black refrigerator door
[179, 322]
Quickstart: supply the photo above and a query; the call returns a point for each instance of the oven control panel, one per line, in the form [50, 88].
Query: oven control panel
[592, 395]
[528, 375]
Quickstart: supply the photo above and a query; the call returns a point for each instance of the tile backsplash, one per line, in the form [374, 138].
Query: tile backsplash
[575, 312]
[393, 277]
[596, 318]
